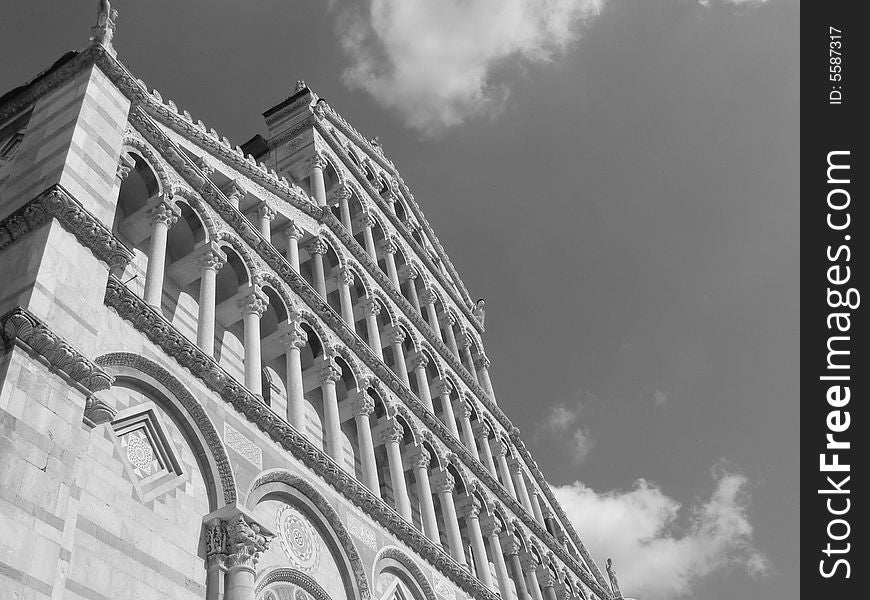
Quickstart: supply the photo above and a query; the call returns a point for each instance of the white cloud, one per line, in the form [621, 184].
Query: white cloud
[560, 422]
[660, 548]
[660, 397]
[433, 61]
[737, 3]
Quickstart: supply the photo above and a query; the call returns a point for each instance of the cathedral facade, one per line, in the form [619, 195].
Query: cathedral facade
[244, 372]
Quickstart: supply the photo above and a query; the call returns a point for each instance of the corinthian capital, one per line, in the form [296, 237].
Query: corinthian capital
[345, 277]
[490, 526]
[448, 320]
[499, 448]
[342, 193]
[330, 372]
[421, 458]
[389, 245]
[395, 335]
[418, 360]
[211, 260]
[481, 362]
[428, 296]
[266, 212]
[371, 307]
[318, 161]
[292, 231]
[442, 387]
[392, 432]
[234, 191]
[409, 272]
[254, 303]
[482, 430]
[362, 405]
[245, 542]
[317, 245]
[164, 212]
[442, 481]
[367, 220]
[294, 337]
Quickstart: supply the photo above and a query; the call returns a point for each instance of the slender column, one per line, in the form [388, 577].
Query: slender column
[516, 468]
[481, 363]
[293, 341]
[216, 559]
[292, 234]
[478, 549]
[395, 337]
[209, 264]
[329, 374]
[162, 216]
[234, 193]
[548, 582]
[362, 407]
[491, 529]
[265, 215]
[443, 486]
[443, 388]
[467, 432]
[530, 565]
[345, 280]
[418, 363]
[245, 542]
[315, 171]
[420, 463]
[317, 248]
[372, 309]
[503, 470]
[511, 549]
[536, 508]
[367, 221]
[448, 320]
[467, 360]
[481, 432]
[392, 435]
[343, 197]
[253, 306]
[428, 299]
[410, 274]
[390, 248]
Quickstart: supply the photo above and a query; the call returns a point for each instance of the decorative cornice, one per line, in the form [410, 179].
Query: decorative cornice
[21, 326]
[57, 203]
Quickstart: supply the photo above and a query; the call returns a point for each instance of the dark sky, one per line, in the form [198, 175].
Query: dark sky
[629, 210]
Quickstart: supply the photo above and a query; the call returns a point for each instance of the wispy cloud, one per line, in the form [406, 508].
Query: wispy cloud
[562, 423]
[659, 547]
[433, 62]
[661, 397]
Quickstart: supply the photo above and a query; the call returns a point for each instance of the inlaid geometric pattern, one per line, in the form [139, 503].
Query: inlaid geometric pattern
[298, 539]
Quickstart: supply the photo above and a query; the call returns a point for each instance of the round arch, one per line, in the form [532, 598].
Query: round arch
[152, 159]
[298, 578]
[396, 562]
[220, 480]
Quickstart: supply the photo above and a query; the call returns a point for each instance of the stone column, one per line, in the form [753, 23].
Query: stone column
[392, 434]
[418, 363]
[428, 299]
[448, 320]
[443, 486]
[491, 529]
[293, 341]
[481, 363]
[503, 470]
[530, 564]
[467, 360]
[234, 193]
[343, 197]
[511, 548]
[467, 432]
[216, 559]
[548, 582]
[292, 234]
[536, 508]
[317, 248]
[362, 407]
[372, 309]
[367, 222]
[516, 468]
[245, 543]
[442, 388]
[253, 306]
[395, 336]
[345, 280]
[410, 275]
[390, 248]
[478, 549]
[481, 432]
[265, 215]
[420, 463]
[315, 172]
[329, 374]
[162, 215]
[209, 264]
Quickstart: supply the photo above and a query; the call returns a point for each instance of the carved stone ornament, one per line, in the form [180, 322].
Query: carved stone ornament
[396, 336]
[421, 458]
[345, 277]
[317, 246]
[164, 212]
[254, 303]
[318, 161]
[59, 204]
[611, 574]
[245, 543]
[481, 362]
[393, 432]
[294, 337]
[372, 307]
[362, 405]
[125, 165]
[418, 361]
[97, 412]
[20, 325]
[330, 372]
[292, 231]
[442, 482]
[104, 30]
[211, 261]
[266, 212]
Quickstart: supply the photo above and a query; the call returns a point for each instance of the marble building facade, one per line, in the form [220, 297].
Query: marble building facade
[244, 372]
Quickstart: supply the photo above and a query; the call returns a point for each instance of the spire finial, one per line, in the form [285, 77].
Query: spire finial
[104, 30]
[614, 584]
[300, 85]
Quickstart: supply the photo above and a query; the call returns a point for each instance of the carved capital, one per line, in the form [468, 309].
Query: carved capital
[471, 508]
[97, 412]
[211, 260]
[396, 335]
[499, 448]
[330, 372]
[482, 430]
[294, 337]
[421, 458]
[529, 562]
[447, 320]
[345, 277]
[362, 405]
[163, 212]
[266, 212]
[367, 220]
[464, 340]
[409, 272]
[204, 166]
[318, 161]
[442, 482]
[125, 165]
[216, 538]
[466, 409]
[442, 387]
[371, 307]
[234, 191]
[342, 193]
[481, 362]
[254, 303]
[292, 231]
[389, 246]
[392, 432]
[428, 296]
[489, 526]
[245, 543]
[515, 465]
[317, 245]
[418, 360]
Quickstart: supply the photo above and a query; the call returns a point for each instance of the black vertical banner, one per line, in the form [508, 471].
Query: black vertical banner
[835, 225]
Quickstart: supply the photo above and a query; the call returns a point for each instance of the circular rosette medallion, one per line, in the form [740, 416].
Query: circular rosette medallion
[298, 539]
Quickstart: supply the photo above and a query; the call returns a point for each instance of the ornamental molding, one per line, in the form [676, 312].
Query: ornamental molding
[57, 203]
[23, 327]
[298, 578]
[135, 362]
[410, 565]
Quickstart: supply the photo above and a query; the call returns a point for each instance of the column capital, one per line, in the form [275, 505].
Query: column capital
[392, 432]
[366, 219]
[389, 245]
[317, 245]
[471, 507]
[481, 362]
[510, 545]
[466, 408]
[465, 339]
[204, 166]
[343, 192]
[490, 526]
[362, 405]
[163, 211]
[421, 458]
[345, 276]
[255, 302]
[481, 430]
[442, 482]
[371, 306]
[529, 561]
[294, 336]
[234, 191]
[428, 296]
[246, 540]
[448, 319]
[264, 211]
[500, 448]
[409, 272]
[418, 360]
[329, 372]
[442, 386]
[395, 335]
[125, 165]
[212, 260]
[292, 232]
[318, 161]
[515, 465]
